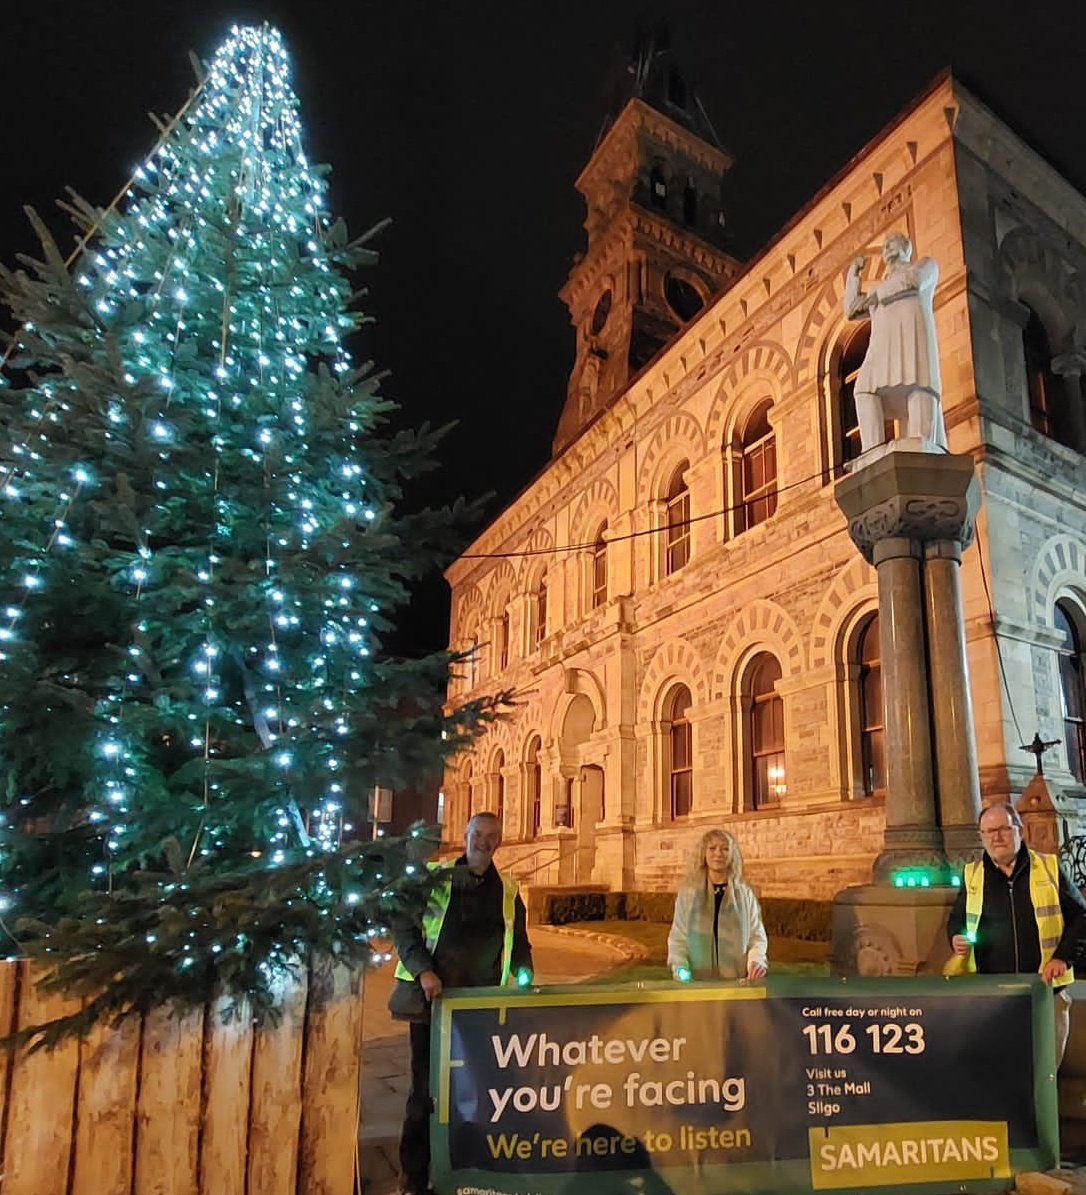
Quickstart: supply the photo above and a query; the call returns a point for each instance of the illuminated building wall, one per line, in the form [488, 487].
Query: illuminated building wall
[675, 595]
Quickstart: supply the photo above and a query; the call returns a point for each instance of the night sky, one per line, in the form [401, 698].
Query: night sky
[467, 124]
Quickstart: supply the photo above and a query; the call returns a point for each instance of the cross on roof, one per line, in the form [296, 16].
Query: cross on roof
[1038, 747]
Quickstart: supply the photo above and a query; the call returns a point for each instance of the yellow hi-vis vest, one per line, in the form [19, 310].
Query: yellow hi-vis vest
[438, 906]
[1044, 895]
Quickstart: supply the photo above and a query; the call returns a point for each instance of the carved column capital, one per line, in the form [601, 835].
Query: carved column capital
[917, 496]
[1071, 364]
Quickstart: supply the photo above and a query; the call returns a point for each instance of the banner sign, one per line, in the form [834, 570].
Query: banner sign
[791, 1085]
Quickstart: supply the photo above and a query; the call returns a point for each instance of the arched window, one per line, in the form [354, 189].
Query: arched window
[473, 661]
[852, 357]
[503, 640]
[464, 810]
[690, 204]
[601, 311]
[533, 783]
[766, 733]
[599, 569]
[1073, 687]
[682, 297]
[869, 691]
[499, 787]
[676, 88]
[1041, 383]
[758, 471]
[677, 522]
[539, 613]
[564, 814]
[680, 755]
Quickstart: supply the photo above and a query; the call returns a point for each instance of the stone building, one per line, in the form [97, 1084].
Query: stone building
[675, 597]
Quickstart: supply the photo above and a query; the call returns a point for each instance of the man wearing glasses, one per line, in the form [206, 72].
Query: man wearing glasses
[1018, 911]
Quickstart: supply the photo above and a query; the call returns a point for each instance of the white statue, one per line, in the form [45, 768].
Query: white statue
[899, 378]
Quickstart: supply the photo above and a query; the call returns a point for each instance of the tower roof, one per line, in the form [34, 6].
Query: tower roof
[654, 75]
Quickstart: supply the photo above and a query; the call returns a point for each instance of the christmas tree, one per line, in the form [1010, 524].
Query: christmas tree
[201, 545]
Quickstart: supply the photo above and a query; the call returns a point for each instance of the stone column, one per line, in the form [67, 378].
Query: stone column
[911, 825]
[957, 781]
[910, 513]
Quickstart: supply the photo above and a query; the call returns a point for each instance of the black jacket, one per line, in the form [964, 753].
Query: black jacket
[1007, 940]
[468, 953]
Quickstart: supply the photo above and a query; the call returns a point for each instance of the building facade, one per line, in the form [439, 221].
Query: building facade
[675, 599]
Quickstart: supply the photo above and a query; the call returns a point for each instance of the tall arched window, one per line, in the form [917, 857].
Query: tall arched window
[1041, 383]
[690, 204]
[499, 787]
[464, 810]
[766, 733]
[473, 661]
[539, 613]
[677, 522]
[758, 470]
[852, 357]
[680, 754]
[1073, 687]
[503, 640]
[533, 782]
[869, 690]
[599, 569]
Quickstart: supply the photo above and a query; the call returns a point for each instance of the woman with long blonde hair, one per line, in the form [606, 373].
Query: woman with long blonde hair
[717, 930]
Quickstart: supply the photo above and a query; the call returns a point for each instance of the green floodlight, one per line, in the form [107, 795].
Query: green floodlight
[923, 877]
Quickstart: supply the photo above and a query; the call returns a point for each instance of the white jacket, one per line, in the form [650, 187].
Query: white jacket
[740, 939]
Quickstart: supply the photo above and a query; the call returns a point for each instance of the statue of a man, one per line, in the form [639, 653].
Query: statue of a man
[899, 378]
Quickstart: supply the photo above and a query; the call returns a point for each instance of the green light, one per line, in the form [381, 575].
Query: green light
[682, 974]
[971, 937]
[523, 977]
[923, 877]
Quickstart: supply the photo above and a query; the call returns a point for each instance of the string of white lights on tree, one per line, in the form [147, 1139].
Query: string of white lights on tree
[199, 543]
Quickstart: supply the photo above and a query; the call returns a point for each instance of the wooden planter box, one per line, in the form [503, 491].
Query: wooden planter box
[185, 1106]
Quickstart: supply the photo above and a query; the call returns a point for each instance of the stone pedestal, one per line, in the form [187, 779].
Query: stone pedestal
[910, 514]
[1044, 818]
[882, 930]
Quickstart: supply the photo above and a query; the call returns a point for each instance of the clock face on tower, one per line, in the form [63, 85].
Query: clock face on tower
[682, 297]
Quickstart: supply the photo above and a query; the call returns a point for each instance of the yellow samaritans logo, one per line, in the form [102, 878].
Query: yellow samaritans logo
[860, 1155]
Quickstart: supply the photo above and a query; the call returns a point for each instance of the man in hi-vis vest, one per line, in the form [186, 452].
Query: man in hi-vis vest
[473, 934]
[1018, 911]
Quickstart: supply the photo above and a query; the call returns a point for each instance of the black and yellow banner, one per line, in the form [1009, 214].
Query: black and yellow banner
[794, 1085]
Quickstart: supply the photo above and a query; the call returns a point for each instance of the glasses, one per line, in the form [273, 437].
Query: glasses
[998, 831]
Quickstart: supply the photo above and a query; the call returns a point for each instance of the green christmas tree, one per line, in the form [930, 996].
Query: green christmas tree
[201, 545]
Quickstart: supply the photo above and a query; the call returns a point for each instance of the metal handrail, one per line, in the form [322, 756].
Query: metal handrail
[1073, 857]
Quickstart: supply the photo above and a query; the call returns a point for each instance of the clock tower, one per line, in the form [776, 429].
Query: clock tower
[655, 224]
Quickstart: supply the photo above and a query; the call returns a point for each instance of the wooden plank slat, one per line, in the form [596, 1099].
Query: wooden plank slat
[39, 1125]
[168, 1111]
[329, 1137]
[276, 1111]
[227, 1057]
[109, 1061]
[12, 973]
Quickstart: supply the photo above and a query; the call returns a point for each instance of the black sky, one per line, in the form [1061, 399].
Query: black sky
[467, 123]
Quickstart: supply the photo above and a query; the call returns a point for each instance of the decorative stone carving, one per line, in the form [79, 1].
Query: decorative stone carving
[907, 495]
